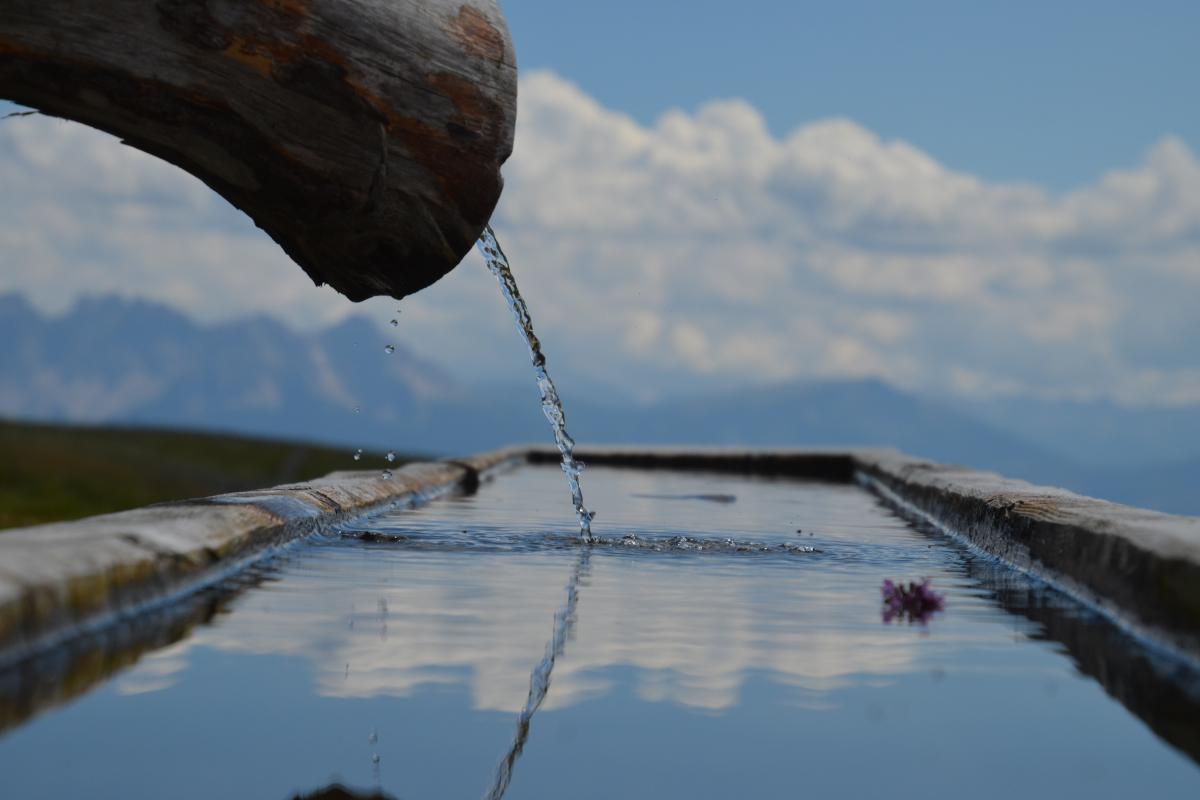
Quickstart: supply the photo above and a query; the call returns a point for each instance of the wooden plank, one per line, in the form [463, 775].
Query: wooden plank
[364, 136]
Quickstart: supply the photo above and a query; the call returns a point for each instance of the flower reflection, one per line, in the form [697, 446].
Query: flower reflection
[914, 602]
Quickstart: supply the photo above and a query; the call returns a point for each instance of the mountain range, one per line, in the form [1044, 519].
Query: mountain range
[112, 360]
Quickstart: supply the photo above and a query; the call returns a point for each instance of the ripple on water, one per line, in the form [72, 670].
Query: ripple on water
[485, 540]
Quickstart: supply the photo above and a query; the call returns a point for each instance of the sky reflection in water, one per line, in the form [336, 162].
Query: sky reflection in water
[687, 674]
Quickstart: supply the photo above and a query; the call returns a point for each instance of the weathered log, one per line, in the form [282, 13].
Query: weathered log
[365, 136]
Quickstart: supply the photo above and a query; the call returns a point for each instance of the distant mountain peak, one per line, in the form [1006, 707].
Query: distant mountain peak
[250, 373]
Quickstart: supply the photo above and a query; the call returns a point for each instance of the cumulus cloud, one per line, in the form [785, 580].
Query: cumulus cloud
[81, 213]
[718, 249]
[701, 250]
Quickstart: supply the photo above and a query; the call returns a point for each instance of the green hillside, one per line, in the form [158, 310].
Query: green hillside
[59, 472]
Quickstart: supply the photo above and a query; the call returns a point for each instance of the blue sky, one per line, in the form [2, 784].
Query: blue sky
[1051, 92]
[970, 198]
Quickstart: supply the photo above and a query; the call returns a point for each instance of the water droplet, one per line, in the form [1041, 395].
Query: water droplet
[389, 349]
[395, 322]
[386, 474]
[358, 454]
[375, 758]
[374, 737]
[357, 409]
[391, 456]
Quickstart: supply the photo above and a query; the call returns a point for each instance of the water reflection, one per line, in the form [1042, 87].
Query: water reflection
[434, 645]
[539, 679]
[1161, 691]
[692, 632]
[59, 676]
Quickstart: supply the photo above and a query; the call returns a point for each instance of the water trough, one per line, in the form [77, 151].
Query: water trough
[1140, 567]
[166, 618]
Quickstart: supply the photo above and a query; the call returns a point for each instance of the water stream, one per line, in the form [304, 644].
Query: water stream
[552, 406]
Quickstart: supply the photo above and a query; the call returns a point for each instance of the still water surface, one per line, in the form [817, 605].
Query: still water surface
[397, 662]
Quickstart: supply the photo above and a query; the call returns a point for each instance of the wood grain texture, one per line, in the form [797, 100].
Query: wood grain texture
[364, 136]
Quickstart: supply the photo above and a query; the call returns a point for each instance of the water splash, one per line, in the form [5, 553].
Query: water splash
[539, 679]
[552, 406]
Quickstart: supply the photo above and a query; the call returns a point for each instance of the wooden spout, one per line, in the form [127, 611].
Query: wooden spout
[364, 136]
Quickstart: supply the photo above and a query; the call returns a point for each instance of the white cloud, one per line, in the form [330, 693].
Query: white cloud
[484, 623]
[701, 249]
[82, 213]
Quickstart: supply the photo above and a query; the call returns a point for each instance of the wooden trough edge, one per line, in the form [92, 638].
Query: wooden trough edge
[1139, 567]
[60, 580]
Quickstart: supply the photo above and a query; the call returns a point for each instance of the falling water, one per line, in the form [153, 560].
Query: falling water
[552, 406]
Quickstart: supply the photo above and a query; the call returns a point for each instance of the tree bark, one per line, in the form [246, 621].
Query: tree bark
[364, 136]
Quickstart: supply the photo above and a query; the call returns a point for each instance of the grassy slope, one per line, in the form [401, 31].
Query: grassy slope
[52, 472]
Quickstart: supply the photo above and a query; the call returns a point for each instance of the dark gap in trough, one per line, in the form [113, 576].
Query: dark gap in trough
[823, 467]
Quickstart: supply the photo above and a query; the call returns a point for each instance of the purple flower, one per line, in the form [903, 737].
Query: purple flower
[915, 602]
